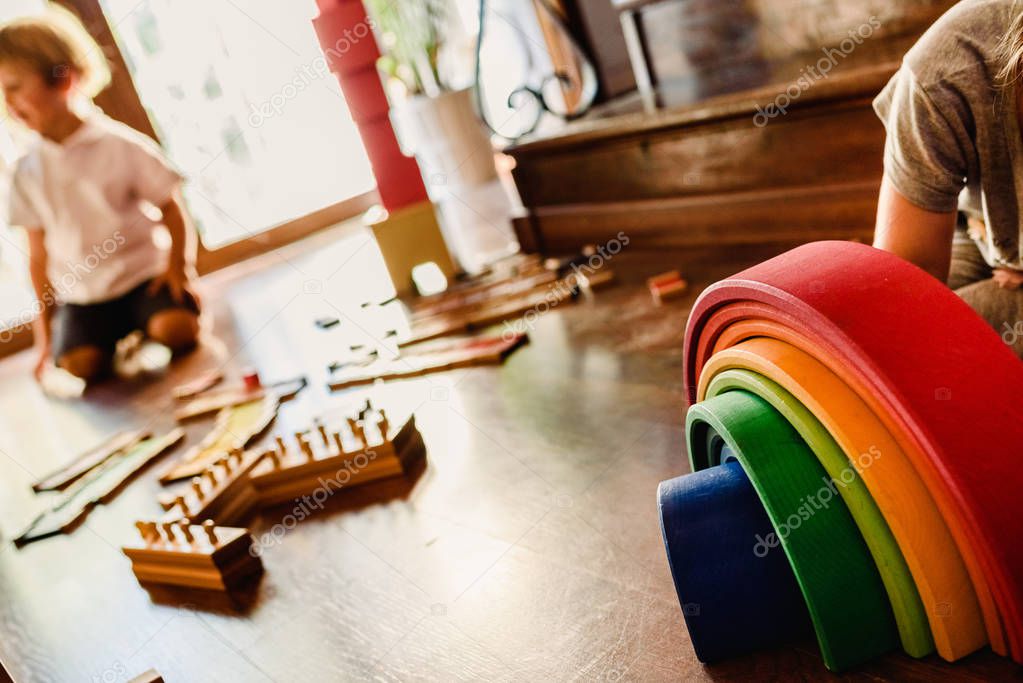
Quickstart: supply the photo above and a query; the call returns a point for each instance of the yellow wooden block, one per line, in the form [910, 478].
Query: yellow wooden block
[407, 238]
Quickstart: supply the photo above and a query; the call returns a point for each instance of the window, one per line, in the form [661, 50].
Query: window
[243, 102]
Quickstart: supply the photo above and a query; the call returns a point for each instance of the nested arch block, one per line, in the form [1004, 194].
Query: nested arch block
[935, 375]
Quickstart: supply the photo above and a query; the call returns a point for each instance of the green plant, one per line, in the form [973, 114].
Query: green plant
[411, 35]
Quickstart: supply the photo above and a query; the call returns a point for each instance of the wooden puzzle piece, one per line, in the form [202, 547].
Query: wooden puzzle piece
[424, 328]
[499, 273]
[203, 382]
[95, 456]
[98, 486]
[236, 395]
[196, 556]
[150, 676]
[493, 293]
[364, 448]
[223, 491]
[234, 428]
[479, 350]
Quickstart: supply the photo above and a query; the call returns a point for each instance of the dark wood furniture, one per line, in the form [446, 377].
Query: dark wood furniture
[717, 162]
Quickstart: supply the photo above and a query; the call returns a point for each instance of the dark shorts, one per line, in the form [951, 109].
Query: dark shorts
[103, 324]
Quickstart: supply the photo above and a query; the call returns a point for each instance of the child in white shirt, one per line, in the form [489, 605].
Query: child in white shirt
[93, 195]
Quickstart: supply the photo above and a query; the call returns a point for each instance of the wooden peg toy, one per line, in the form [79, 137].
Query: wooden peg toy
[274, 458]
[224, 497]
[224, 559]
[323, 433]
[211, 531]
[296, 477]
[168, 531]
[181, 504]
[147, 530]
[383, 424]
[281, 446]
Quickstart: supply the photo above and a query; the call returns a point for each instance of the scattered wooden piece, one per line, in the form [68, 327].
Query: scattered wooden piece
[151, 676]
[209, 557]
[250, 378]
[233, 396]
[327, 322]
[96, 487]
[427, 327]
[222, 493]
[200, 384]
[666, 286]
[369, 449]
[94, 457]
[478, 350]
[234, 428]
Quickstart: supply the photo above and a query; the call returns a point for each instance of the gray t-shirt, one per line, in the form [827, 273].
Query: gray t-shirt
[953, 136]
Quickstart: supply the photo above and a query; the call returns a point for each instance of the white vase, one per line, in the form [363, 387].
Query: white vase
[448, 140]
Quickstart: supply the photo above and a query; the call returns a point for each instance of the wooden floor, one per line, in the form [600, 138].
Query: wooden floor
[528, 547]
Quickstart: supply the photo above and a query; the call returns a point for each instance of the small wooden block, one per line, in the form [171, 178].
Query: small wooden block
[198, 385]
[151, 676]
[669, 291]
[662, 279]
[197, 563]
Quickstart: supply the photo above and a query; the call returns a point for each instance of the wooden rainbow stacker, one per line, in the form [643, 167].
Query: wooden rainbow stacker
[196, 556]
[366, 447]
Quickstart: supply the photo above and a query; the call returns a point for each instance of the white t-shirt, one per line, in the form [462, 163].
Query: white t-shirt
[95, 196]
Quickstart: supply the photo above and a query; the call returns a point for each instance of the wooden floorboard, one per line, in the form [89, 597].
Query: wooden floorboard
[527, 548]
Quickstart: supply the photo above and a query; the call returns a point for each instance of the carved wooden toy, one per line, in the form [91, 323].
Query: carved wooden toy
[97, 486]
[235, 428]
[197, 556]
[365, 447]
[431, 357]
[222, 492]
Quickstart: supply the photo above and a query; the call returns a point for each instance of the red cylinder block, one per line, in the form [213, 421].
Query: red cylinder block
[367, 103]
[346, 36]
[343, 29]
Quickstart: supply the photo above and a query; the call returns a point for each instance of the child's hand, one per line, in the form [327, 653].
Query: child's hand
[1007, 278]
[177, 282]
[41, 362]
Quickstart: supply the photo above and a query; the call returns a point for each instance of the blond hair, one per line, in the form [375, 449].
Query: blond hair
[53, 44]
[1010, 51]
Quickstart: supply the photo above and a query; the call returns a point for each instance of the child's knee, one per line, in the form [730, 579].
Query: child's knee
[86, 362]
[175, 328]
